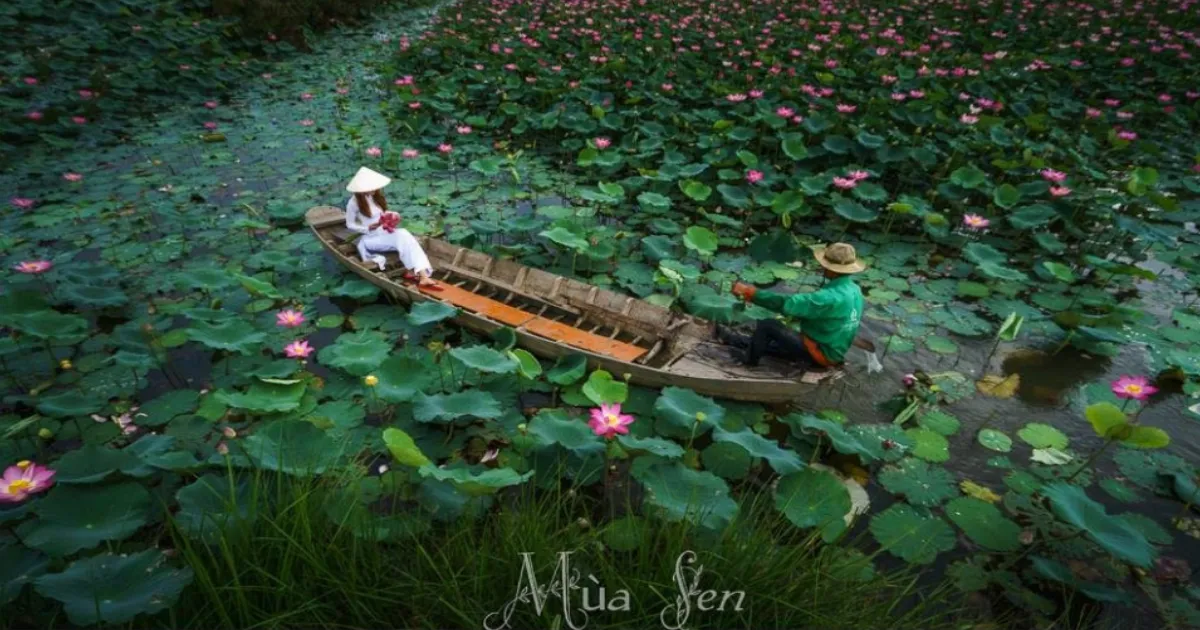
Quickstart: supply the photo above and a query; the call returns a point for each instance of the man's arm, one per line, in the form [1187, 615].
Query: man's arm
[797, 305]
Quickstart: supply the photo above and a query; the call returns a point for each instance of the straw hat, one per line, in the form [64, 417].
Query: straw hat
[839, 258]
[367, 180]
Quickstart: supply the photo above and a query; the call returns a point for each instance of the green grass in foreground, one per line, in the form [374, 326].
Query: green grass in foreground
[295, 566]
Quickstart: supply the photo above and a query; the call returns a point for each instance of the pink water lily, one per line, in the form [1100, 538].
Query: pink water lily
[463, 129]
[34, 115]
[1133, 387]
[968, 119]
[298, 349]
[307, 122]
[975, 222]
[602, 143]
[306, 96]
[21, 202]
[1059, 191]
[845, 183]
[210, 125]
[785, 112]
[23, 479]
[607, 421]
[33, 266]
[289, 318]
[445, 148]
[410, 153]
[754, 176]
[374, 151]
[30, 81]
[1127, 135]
[1052, 175]
[210, 104]
[79, 120]
[858, 176]
[843, 108]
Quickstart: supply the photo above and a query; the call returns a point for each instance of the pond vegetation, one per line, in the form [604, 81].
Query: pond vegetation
[199, 405]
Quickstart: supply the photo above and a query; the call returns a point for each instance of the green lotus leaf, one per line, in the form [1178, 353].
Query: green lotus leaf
[527, 364]
[568, 369]
[918, 482]
[995, 440]
[940, 345]
[1147, 438]
[726, 460]
[232, 335]
[658, 447]
[913, 535]
[294, 448]
[653, 202]
[555, 427]
[213, 503]
[939, 422]
[684, 409]
[430, 312]
[567, 238]
[679, 493]
[69, 403]
[784, 461]
[92, 463]
[1040, 435]
[991, 262]
[1006, 196]
[814, 498]
[263, 397]
[403, 448]
[18, 567]
[111, 588]
[968, 177]
[72, 518]
[713, 307]
[402, 376]
[1049, 242]
[485, 359]
[870, 192]
[174, 403]
[851, 210]
[359, 353]
[1107, 420]
[735, 196]
[600, 388]
[93, 295]
[1116, 536]
[259, 288]
[697, 191]
[204, 279]
[50, 325]
[451, 407]
[984, 523]
[793, 145]
[929, 445]
[356, 289]
[700, 240]
[489, 481]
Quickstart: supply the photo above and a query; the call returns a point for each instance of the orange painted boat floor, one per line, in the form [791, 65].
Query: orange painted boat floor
[548, 328]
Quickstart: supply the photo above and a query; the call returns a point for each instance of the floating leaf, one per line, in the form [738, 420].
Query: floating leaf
[995, 440]
[914, 536]
[1040, 435]
[403, 448]
[430, 312]
[983, 493]
[72, 518]
[232, 335]
[264, 397]
[700, 240]
[450, 407]
[485, 359]
[929, 445]
[998, 386]
[600, 388]
[358, 353]
[111, 588]
[813, 498]
[984, 524]
[1115, 535]
[568, 369]
[918, 482]
[402, 376]
[683, 408]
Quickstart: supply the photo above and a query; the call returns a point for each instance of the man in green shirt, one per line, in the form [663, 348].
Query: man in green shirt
[828, 318]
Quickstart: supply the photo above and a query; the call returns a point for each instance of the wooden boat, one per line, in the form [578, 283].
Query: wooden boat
[554, 316]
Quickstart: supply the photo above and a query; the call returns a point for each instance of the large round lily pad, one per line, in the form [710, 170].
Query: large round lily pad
[1115, 535]
[111, 588]
[358, 353]
[1040, 435]
[72, 518]
[911, 534]
[680, 493]
[984, 524]
[918, 482]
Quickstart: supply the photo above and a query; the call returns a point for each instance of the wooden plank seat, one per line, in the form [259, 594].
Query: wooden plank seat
[541, 326]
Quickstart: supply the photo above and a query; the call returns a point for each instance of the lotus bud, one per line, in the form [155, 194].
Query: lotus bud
[627, 376]
[65, 364]
[222, 448]
[909, 380]
[45, 433]
[701, 416]
[370, 380]
[521, 427]
[583, 523]
[229, 432]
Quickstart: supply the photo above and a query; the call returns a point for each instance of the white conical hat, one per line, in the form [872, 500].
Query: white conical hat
[367, 180]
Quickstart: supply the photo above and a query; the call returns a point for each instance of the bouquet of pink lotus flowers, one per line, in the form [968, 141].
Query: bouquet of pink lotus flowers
[389, 221]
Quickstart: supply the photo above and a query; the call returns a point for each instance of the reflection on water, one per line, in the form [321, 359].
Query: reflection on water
[1047, 378]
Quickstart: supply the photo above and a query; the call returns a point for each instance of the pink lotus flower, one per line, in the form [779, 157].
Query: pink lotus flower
[1127, 135]
[1059, 191]
[607, 421]
[73, 177]
[445, 148]
[785, 112]
[404, 80]
[845, 183]
[756, 93]
[975, 222]
[899, 96]
[306, 96]
[1052, 175]
[844, 108]
[667, 87]
[410, 153]
[1111, 102]
[21, 202]
[754, 176]
[881, 51]
[33, 266]
[1124, 115]
[86, 94]
[222, 448]
[463, 129]
[414, 105]
[343, 91]
[79, 120]
[916, 93]
[1092, 112]
[1128, 61]
[1133, 387]
[909, 380]
[858, 176]
[1164, 98]
[735, 98]
[210, 104]
[289, 318]
[24, 479]
[184, 67]
[968, 119]
[34, 115]
[31, 81]
[298, 349]
[888, 79]
[307, 122]
[210, 125]
[602, 142]
[374, 151]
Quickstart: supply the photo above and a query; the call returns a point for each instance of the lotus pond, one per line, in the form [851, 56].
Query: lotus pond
[1021, 180]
